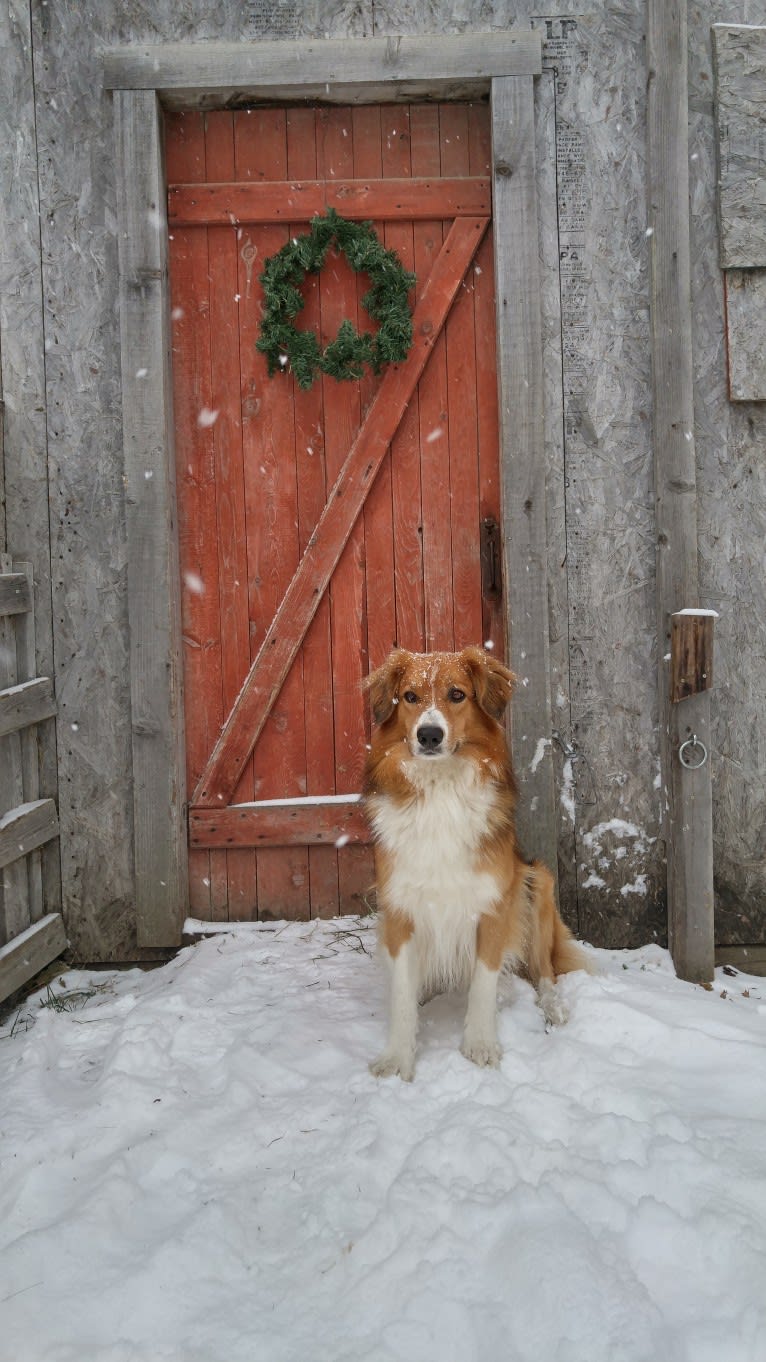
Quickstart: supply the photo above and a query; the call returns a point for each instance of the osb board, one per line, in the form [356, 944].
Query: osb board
[746, 333]
[600, 510]
[731, 486]
[739, 52]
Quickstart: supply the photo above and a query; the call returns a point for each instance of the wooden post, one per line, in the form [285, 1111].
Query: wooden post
[688, 802]
[154, 579]
[522, 458]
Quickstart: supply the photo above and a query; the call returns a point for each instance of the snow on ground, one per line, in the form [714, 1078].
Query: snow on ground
[196, 1165]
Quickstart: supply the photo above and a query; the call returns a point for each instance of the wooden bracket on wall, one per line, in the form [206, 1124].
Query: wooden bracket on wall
[691, 652]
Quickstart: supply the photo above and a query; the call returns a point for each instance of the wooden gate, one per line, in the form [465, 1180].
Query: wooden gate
[318, 528]
[29, 939]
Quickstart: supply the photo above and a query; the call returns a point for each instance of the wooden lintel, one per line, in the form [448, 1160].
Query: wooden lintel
[229, 204]
[346, 70]
[292, 823]
[691, 653]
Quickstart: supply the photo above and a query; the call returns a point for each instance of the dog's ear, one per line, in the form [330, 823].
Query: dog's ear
[492, 681]
[382, 685]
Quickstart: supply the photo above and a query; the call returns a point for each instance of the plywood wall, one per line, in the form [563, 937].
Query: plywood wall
[59, 340]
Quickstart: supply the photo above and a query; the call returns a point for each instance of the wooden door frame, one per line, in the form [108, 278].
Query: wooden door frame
[145, 80]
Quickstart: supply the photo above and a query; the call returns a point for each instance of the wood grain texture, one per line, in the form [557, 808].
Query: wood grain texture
[26, 828]
[23, 958]
[739, 62]
[26, 703]
[290, 823]
[691, 655]
[57, 140]
[336, 523]
[153, 569]
[300, 200]
[745, 298]
[373, 70]
[522, 456]
[24, 488]
[688, 817]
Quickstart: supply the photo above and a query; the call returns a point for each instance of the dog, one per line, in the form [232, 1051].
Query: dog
[456, 898]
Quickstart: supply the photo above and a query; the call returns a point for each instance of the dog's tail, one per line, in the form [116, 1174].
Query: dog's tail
[556, 949]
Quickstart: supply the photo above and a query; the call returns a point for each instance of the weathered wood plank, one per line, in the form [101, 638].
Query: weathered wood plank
[691, 653]
[346, 70]
[29, 702]
[153, 572]
[25, 828]
[14, 880]
[25, 415]
[26, 661]
[297, 822]
[15, 595]
[231, 204]
[739, 55]
[745, 959]
[745, 294]
[688, 816]
[522, 457]
[24, 957]
[345, 501]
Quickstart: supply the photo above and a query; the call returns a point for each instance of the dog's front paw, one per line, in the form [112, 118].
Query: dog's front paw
[486, 1053]
[388, 1064]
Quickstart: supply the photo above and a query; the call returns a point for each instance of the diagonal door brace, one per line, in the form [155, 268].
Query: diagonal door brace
[344, 504]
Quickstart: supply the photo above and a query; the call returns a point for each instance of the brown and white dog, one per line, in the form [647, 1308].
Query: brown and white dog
[455, 896]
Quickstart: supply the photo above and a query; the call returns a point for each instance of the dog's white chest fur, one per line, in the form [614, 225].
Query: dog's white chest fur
[435, 877]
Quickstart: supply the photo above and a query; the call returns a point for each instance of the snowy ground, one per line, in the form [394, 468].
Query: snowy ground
[196, 1165]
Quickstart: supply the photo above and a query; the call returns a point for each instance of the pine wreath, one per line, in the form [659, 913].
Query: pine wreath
[386, 302]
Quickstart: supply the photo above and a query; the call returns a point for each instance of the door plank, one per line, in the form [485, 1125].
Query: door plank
[463, 417]
[480, 144]
[338, 289]
[312, 495]
[233, 875]
[407, 558]
[298, 607]
[433, 403]
[272, 529]
[282, 823]
[297, 201]
[195, 480]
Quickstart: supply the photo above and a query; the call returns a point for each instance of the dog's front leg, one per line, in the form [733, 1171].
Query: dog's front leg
[399, 1054]
[480, 1031]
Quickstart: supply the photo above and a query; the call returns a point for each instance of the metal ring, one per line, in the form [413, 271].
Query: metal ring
[692, 742]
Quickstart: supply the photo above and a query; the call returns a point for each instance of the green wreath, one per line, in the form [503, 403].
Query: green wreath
[386, 302]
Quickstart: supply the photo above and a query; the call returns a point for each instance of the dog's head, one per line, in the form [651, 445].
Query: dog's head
[439, 702]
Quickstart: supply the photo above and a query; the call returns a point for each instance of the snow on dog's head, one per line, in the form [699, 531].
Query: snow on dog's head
[439, 703]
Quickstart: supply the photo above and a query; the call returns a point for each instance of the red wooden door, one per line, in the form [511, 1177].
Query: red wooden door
[318, 528]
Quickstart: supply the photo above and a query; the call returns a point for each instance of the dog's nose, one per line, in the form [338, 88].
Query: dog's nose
[430, 736]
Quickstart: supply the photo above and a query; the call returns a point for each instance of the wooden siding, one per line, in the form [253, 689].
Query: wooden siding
[59, 287]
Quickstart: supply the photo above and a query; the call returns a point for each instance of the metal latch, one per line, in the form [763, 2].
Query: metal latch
[491, 570]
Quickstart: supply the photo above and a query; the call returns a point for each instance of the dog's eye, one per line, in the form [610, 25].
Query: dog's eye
[456, 695]
[410, 697]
